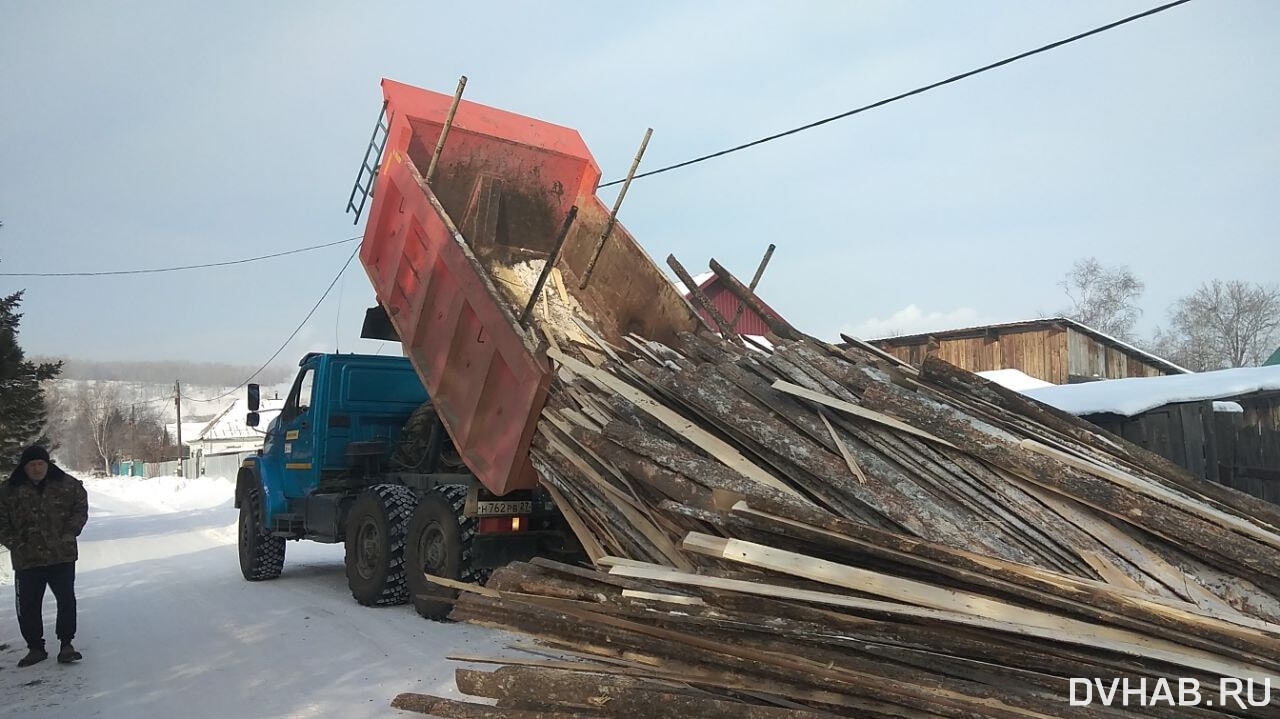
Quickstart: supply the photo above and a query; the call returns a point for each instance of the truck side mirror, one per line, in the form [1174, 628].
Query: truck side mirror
[254, 400]
[252, 419]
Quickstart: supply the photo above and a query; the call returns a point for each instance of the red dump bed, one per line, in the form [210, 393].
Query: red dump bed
[503, 186]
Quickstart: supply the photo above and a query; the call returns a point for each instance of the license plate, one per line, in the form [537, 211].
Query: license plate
[491, 509]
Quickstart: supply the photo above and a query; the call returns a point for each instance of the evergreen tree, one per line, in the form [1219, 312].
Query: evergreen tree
[23, 414]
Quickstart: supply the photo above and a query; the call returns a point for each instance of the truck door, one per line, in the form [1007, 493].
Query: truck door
[297, 422]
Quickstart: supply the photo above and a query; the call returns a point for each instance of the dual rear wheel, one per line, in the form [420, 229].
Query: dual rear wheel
[395, 539]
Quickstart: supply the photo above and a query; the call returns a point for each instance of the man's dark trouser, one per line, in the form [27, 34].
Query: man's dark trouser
[29, 588]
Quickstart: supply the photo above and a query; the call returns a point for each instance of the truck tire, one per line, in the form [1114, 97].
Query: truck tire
[261, 555]
[413, 451]
[439, 544]
[375, 544]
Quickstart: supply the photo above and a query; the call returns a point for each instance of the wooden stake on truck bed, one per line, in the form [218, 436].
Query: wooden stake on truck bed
[777, 325]
[613, 216]
[755, 280]
[700, 297]
[444, 131]
[550, 264]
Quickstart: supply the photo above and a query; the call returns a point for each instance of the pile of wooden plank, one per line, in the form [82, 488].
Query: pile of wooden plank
[811, 530]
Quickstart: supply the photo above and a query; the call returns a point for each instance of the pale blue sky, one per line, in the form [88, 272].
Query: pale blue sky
[141, 134]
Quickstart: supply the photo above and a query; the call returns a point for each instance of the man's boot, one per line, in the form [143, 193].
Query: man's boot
[68, 654]
[35, 655]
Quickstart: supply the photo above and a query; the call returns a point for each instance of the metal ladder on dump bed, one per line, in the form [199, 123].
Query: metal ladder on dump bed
[368, 174]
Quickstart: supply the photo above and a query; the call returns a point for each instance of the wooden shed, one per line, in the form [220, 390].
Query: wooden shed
[1054, 349]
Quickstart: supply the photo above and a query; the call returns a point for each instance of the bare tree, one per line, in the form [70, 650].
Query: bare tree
[99, 407]
[1104, 298]
[1222, 324]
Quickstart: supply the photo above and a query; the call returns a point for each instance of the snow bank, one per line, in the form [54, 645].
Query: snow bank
[1135, 395]
[1013, 379]
[170, 629]
[171, 494]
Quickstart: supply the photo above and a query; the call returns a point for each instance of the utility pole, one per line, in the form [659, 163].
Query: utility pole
[177, 400]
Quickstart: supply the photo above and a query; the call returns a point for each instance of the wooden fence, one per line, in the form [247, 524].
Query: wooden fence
[1232, 448]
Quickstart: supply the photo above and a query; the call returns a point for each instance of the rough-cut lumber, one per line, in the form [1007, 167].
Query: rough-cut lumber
[726, 330]
[618, 696]
[1069, 596]
[980, 388]
[454, 709]
[857, 411]
[992, 445]
[844, 449]
[1031, 622]
[721, 450]
[856, 538]
[776, 324]
[1156, 491]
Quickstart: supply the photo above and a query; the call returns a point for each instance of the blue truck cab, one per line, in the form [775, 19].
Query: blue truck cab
[357, 455]
[358, 399]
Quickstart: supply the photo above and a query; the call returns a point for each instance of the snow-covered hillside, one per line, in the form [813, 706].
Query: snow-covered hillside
[160, 396]
[170, 629]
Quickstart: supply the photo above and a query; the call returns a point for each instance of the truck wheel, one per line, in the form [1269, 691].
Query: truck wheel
[413, 451]
[440, 545]
[375, 544]
[261, 555]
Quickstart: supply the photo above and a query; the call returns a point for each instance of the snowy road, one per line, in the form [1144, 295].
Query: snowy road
[170, 629]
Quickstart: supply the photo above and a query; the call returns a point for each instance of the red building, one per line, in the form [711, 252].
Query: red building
[727, 304]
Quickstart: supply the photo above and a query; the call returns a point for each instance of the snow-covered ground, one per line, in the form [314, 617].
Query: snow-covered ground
[170, 629]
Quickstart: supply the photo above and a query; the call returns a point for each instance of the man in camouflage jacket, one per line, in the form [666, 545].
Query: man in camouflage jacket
[42, 510]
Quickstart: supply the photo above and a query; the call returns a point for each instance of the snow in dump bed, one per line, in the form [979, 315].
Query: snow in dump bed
[1136, 395]
[169, 628]
[1013, 379]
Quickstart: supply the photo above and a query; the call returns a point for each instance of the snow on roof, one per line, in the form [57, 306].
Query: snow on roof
[701, 279]
[1135, 395]
[1014, 379]
[1154, 359]
[230, 423]
[190, 430]
[1228, 407]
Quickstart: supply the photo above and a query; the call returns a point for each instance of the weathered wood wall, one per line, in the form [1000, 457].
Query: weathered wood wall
[1089, 357]
[1040, 353]
[1051, 352]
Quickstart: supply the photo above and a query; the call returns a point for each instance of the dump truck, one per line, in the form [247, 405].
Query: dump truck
[420, 464]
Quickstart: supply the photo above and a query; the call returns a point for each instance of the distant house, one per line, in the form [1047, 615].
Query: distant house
[1057, 350]
[727, 303]
[190, 431]
[227, 433]
[1274, 359]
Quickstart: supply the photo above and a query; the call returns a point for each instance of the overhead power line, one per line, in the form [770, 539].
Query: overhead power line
[909, 93]
[178, 268]
[287, 340]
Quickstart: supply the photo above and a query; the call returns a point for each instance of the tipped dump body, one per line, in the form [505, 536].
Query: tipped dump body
[503, 185]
